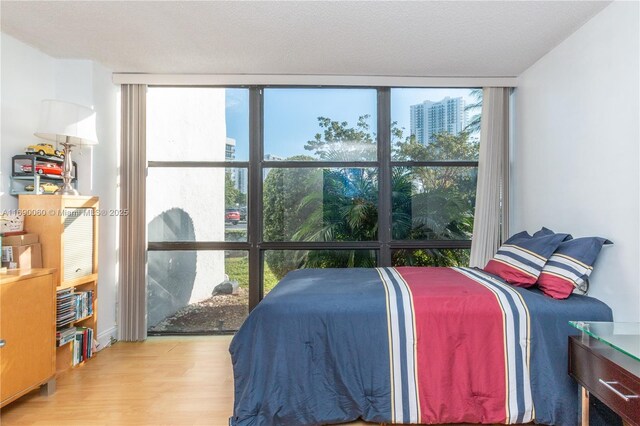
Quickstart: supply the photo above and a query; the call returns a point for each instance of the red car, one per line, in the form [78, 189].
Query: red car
[44, 168]
[232, 215]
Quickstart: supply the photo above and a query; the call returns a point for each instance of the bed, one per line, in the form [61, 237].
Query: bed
[406, 345]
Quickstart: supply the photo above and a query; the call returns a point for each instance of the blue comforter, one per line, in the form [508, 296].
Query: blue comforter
[316, 350]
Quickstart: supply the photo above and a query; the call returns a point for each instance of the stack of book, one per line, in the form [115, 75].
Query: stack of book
[65, 336]
[65, 307]
[82, 344]
[84, 304]
[72, 306]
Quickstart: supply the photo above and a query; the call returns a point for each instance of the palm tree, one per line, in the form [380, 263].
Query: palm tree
[344, 209]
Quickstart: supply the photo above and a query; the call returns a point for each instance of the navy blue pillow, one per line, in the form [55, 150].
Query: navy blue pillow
[569, 267]
[547, 231]
[520, 259]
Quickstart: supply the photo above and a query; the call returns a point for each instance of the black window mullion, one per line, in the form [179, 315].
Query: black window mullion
[320, 245]
[318, 164]
[384, 173]
[200, 164]
[435, 163]
[254, 196]
[196, 245]
[429, 244]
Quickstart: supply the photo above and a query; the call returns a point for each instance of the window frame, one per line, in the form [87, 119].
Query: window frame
[254, 245]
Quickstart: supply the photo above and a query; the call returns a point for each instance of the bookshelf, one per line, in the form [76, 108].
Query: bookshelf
[68, 229]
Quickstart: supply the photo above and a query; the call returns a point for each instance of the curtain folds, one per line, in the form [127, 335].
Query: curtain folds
[491, 219]
[132, 290]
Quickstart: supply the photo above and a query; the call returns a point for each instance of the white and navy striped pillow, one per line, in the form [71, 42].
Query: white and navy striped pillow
[570, 266]
[522, 257]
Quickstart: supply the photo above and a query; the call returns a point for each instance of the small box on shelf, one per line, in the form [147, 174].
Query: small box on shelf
[22, 257]
[20, 240]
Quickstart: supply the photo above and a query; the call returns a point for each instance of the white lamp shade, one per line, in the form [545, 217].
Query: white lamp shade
[61, 120]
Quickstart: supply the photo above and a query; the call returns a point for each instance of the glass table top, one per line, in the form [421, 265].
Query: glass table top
[623, 336]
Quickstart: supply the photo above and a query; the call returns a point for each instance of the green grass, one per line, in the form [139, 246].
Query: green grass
[270, 280]
[238, 269]
[235, 235]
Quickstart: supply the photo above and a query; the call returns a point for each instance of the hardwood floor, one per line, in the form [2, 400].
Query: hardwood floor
[167, 380]
[163, 381]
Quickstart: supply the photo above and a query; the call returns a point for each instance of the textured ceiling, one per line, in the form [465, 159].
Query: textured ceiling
[475, 38]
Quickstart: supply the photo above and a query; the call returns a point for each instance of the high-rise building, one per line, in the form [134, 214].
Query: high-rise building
[230, 150]
[417, 120]
[239, 176]
[429, 118]
[240, 180]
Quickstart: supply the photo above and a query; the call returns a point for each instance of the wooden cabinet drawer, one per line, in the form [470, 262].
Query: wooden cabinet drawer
[27, 324]
[599, 369]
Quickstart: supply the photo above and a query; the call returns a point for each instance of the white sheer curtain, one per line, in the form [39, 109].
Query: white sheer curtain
[491, 219]
[132, 290]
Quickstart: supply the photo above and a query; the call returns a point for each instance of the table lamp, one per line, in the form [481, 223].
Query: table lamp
[67, 124]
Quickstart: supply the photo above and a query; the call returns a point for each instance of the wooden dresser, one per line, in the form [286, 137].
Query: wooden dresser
[27, 332]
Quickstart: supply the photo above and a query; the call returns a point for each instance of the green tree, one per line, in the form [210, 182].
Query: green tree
[308, 204]
[344, 208]
[283, 192]
[435, 202]
[444, 147]
[441, 198]
[312, 205]
[339, 142]
[431, 257]
[241, 199]
[231, 193]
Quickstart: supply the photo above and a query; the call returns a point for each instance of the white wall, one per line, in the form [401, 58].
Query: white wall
[29, 76]
[103, 178]
[575, 163]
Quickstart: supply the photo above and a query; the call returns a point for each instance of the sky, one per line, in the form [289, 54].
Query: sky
[290, 115]
[237, 120]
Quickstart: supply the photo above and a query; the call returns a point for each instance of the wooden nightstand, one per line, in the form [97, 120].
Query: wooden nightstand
[605, 360]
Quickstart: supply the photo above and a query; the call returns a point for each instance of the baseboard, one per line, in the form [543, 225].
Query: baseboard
[104, 338]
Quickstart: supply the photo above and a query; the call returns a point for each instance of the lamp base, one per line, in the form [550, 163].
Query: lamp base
[67, 177]
[67, 191]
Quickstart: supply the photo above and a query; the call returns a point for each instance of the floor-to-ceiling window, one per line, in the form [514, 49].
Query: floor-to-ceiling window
[320, 171]
[198, 158]
[246, 184]
[435, 141]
